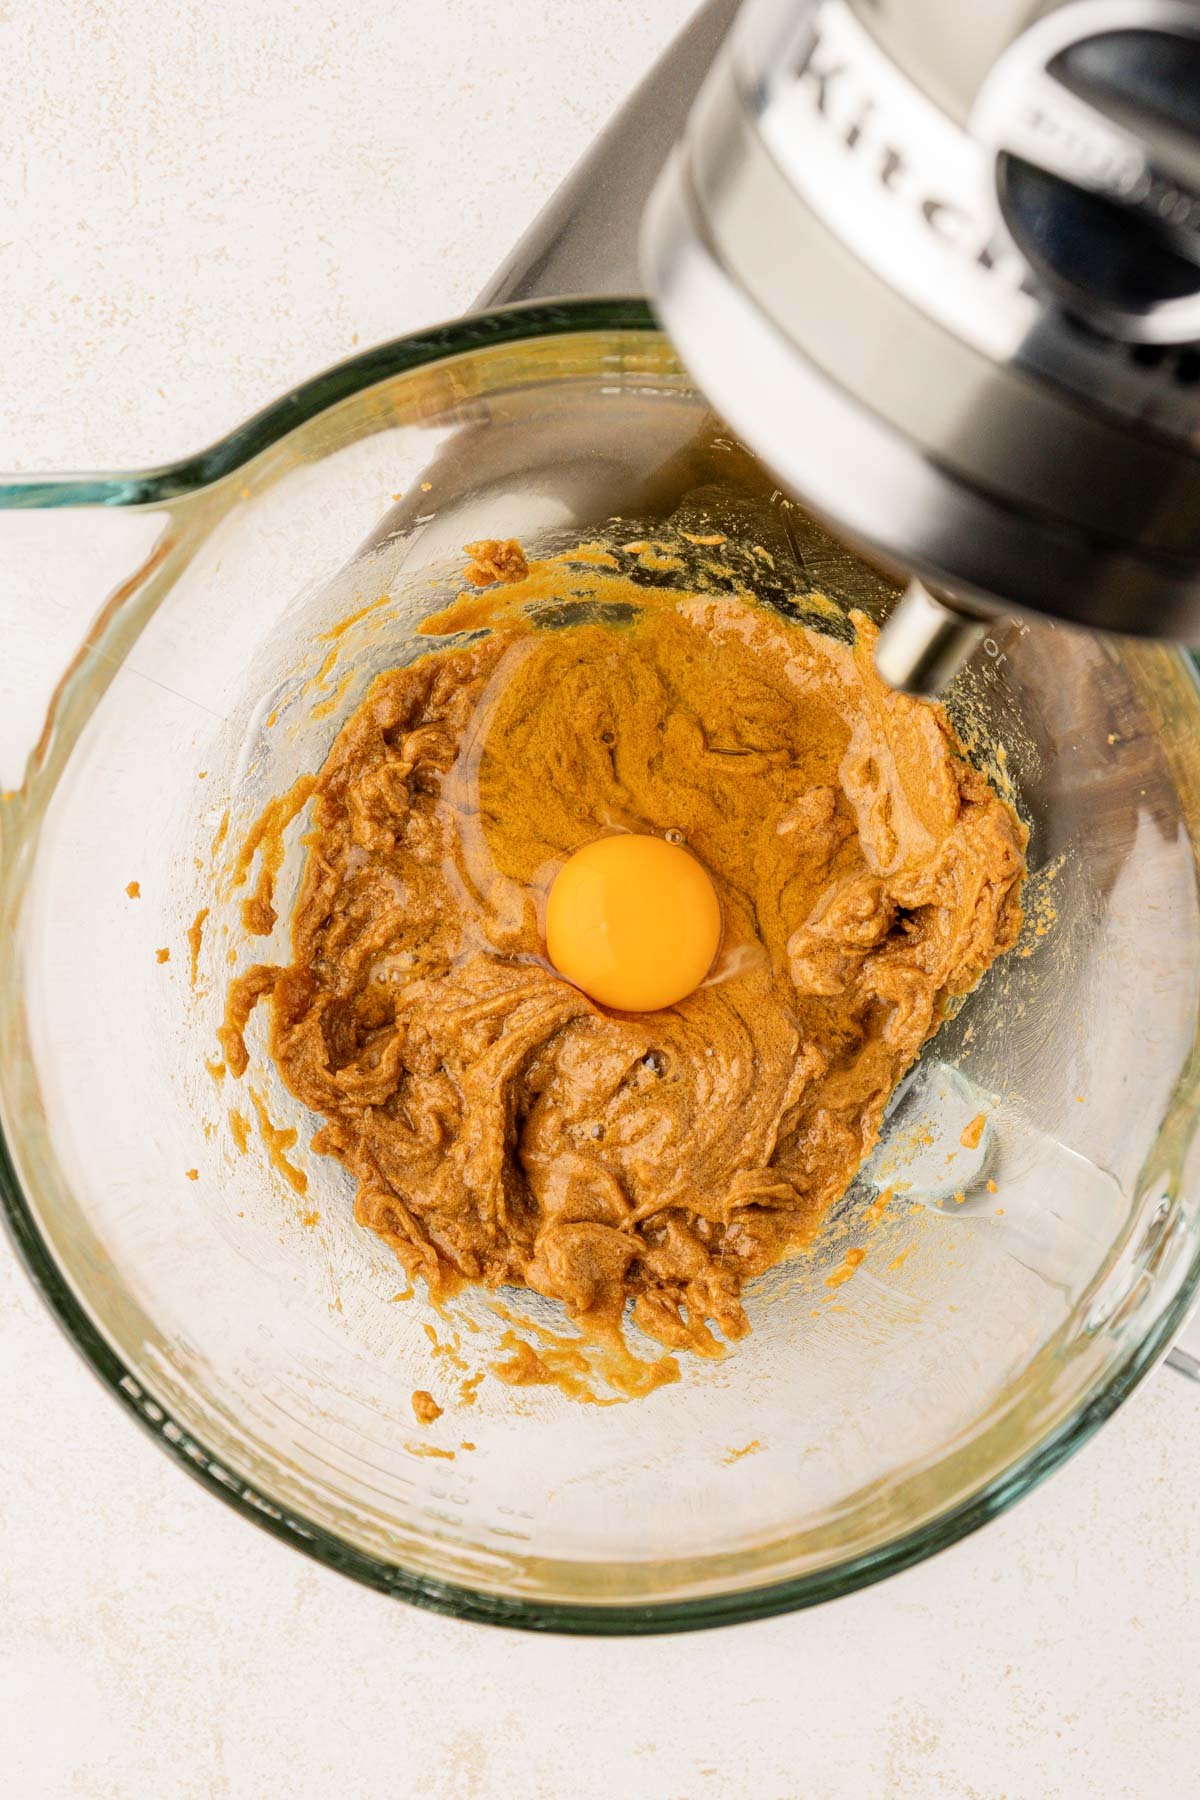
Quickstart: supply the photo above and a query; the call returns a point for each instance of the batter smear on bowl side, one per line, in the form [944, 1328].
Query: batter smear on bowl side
[504, 1128]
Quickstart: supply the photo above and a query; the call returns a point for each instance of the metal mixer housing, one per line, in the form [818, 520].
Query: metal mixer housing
[939, 265]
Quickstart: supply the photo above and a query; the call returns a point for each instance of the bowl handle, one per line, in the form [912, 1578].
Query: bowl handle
[72, 552]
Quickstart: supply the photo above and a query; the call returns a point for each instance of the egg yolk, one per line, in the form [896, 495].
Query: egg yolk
[633, 921]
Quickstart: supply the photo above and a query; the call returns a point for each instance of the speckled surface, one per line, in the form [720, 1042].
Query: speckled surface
[200, 205]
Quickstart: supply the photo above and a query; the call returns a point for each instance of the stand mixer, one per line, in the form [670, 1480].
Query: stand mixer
[884, 243]
[940, 269]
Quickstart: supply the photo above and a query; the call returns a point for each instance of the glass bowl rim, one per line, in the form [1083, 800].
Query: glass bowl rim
[157, 486]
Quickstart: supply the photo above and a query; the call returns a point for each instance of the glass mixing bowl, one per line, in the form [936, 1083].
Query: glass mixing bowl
[1007, 1301]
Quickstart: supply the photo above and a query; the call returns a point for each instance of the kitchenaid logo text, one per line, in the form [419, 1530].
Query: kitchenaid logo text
[842, 101]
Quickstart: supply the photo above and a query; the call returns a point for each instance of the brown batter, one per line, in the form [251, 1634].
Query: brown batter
[425, 1408]
[504, 1129]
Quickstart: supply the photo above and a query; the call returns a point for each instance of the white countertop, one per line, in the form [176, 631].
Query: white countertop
[200, 205]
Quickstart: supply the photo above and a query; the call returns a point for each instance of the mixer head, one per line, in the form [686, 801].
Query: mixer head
[939, 266]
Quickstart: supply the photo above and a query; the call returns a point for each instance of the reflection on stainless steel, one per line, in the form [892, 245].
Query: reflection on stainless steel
[585, 240]
[900, 256]
[925, 642]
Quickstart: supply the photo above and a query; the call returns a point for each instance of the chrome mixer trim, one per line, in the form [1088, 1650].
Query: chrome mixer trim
[828, 253]
[926, 642]
[901, 185]
[956, 405]
[913, 193]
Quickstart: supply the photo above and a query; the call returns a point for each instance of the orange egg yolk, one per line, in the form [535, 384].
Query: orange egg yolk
[633, 921]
